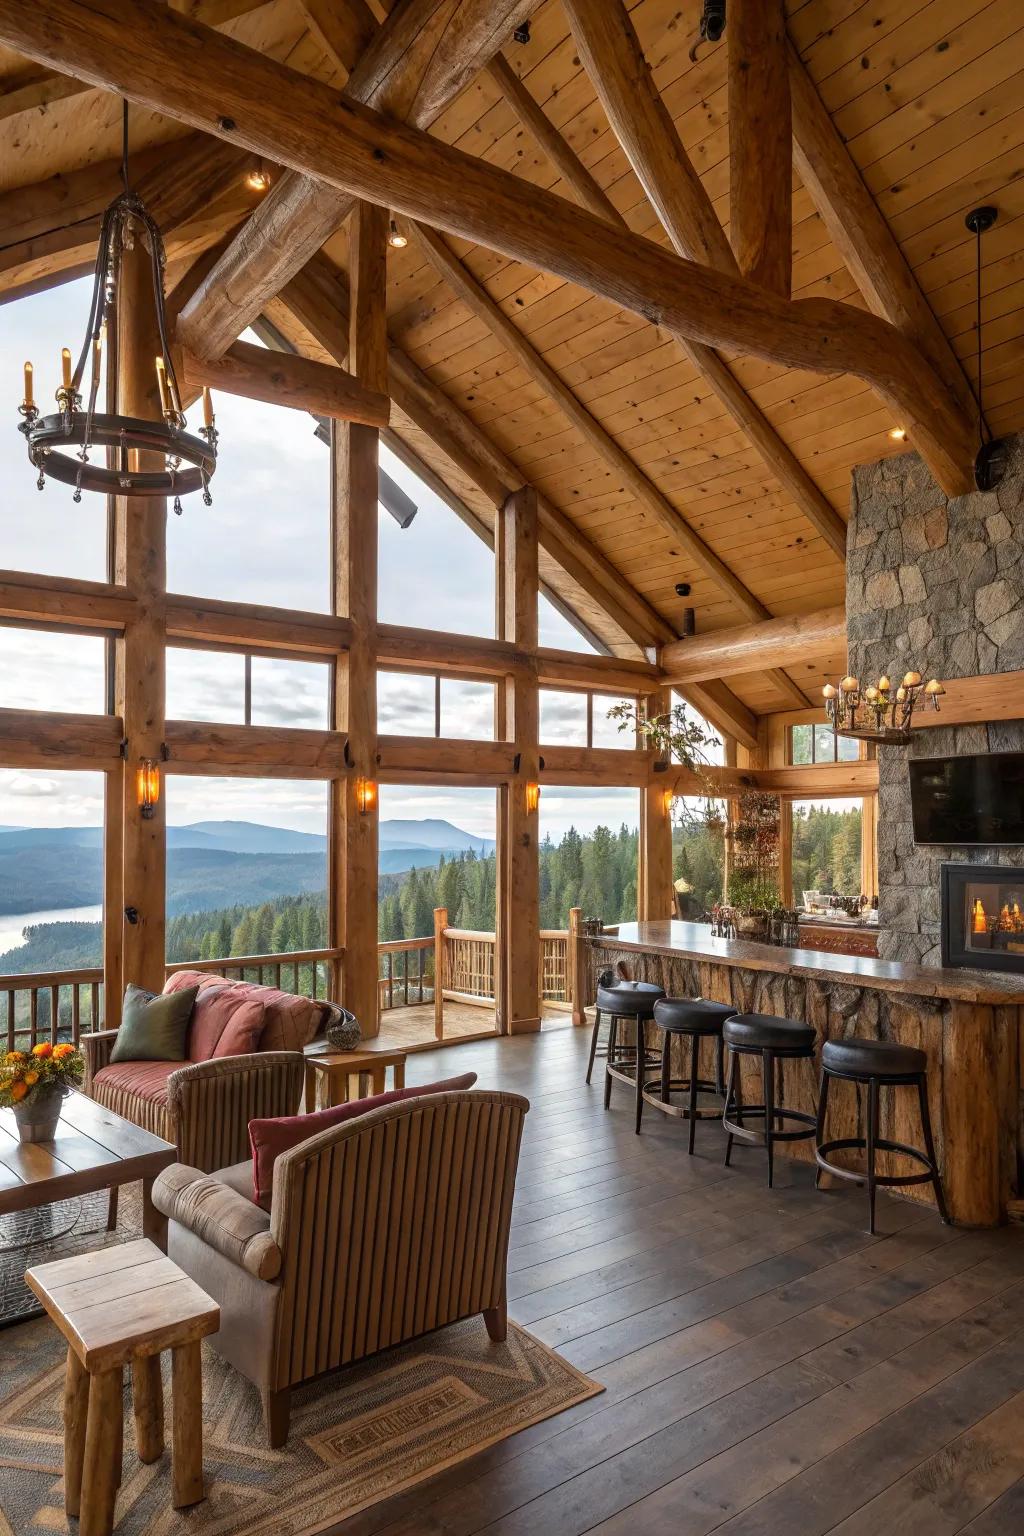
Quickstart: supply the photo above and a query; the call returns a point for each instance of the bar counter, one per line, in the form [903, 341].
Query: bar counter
[969, 1023]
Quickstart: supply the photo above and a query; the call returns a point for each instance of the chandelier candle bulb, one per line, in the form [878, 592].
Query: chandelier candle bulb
[28, 404]
[849, 685]
[161, 380]
[207, 408]
[65, 366]
[912, 680]
[97, 360]
[828, 692]
[884, 684]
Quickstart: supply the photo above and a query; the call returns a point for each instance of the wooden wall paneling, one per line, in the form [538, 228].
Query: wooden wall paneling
[355, 464]
[518, 984]
[140, 565]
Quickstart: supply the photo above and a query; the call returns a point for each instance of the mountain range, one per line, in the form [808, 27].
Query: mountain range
[210, 863]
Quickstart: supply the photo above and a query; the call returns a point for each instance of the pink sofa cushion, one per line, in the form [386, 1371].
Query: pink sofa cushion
[270, 1138]
[143, 1079]
[290, 1022]
[226, 1021]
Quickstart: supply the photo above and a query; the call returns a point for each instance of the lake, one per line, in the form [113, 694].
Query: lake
[11, 927]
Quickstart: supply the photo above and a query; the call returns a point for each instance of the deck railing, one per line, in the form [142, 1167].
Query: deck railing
[51, 1005]
[452, 964]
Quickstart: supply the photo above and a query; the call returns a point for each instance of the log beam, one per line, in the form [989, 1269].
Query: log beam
[760, 144]
[282, 379]
[749, 648]
[161, 60]
[619, 72]
[418, 62]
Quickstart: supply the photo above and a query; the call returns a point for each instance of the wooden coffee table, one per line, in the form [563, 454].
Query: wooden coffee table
[94, 1149]
[338, 1068]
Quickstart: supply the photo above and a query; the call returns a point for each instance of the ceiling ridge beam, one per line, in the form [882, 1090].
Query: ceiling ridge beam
[618, 70]
[644, 491]
[197, 76]
[732, 652]
[860, 233]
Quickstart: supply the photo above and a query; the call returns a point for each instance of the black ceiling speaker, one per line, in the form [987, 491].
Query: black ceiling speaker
[990, 461]
[712, 21]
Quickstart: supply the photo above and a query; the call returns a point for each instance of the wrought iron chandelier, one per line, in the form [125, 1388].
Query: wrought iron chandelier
[885, 712]
[189, 459]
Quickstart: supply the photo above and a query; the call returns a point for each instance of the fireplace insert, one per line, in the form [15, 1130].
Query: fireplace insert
[983, 916]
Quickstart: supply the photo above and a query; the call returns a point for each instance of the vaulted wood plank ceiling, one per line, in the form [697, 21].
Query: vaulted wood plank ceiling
[928, 99]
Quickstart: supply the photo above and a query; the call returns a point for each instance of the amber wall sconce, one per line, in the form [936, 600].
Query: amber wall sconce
[532, 797]
[147, 787]
[366, 796]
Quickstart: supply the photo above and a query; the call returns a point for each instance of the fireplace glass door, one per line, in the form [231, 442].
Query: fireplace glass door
[983, 916]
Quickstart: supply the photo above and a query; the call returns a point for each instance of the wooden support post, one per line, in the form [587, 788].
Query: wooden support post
[440, 924]
[786, 852]
[517, 990]
[760, 143]
[355, 587]
[575, 961]
[654, 861]
[140, 564]
[869, 846]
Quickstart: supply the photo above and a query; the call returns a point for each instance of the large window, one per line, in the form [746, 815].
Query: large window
[698, 857]
[818, 743]
[252, 882]
[51, 870]
[236, 688]
[266, 538]
[45, 531]
[46, 669]
[827, 847]
[588, 854]
[425, 704]
[579, 718]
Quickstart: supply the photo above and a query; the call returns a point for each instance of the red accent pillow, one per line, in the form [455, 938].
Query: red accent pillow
[269, 1139]
[226, 1021]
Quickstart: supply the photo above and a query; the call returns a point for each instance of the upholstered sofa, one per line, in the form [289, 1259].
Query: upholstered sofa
[382, 1228]
[244, 1049]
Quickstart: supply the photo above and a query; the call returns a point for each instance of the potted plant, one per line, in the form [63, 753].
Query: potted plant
[677, 736]
[35, 1083]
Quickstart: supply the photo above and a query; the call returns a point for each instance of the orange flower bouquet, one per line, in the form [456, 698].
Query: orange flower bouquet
[34, 1083]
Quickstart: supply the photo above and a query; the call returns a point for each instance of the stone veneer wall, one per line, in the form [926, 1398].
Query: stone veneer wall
[937, 585]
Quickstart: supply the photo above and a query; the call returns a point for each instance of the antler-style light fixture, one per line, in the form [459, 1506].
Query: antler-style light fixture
[189, 460]
[886, 712]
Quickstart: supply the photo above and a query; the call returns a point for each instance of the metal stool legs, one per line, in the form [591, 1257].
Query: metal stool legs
[595, 1032]
[774, 1115]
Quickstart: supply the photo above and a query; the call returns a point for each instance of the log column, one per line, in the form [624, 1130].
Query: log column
[654, 871]
[355, 454]
[518, 983]
[140, 564]
[760, 143]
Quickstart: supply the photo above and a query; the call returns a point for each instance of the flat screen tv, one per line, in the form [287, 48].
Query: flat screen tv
[963, 801]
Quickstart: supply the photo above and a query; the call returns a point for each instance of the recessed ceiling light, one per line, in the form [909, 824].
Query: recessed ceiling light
[898, 434]
[396, 238]
[257, 179]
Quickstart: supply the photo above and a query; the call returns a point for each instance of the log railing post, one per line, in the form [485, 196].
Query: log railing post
[440, 924]
[575, 961]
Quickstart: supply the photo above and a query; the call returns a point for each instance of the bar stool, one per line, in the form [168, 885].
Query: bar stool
[606, 978]
[700, 1020]
[631, 1002]
[877, 1064]
[773, 1039]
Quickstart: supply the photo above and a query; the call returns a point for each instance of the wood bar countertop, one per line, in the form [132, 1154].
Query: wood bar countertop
[693, 941]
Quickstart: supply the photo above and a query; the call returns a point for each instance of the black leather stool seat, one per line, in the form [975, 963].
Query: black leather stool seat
[872, 1058]
[691, 1015]
[765, 1032]
[630, 999]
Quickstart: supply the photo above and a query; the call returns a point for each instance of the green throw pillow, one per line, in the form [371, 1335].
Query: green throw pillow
[153, 1025]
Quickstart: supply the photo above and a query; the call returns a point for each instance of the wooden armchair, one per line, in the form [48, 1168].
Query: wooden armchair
[297, 1296]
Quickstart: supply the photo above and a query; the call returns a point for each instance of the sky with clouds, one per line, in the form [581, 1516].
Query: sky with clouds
[264, 540]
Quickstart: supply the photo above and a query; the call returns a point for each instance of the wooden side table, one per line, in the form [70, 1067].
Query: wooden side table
[116, 1307]
[336, 1070]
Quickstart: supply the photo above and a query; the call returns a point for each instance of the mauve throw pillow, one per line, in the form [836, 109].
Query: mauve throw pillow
[243, 1029]
[226, 1021]
[270, 1138]
[153, 1025]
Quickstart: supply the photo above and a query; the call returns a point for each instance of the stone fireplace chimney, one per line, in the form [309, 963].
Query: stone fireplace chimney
[937, 585]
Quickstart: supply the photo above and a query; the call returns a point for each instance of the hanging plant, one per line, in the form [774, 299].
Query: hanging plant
[683, 737]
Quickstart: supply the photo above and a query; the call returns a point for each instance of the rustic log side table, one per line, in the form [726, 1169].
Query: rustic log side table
[116, 1307]
[336, 1069]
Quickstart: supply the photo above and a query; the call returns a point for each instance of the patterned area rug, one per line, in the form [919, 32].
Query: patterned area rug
[356, 1437]
[55, 1232]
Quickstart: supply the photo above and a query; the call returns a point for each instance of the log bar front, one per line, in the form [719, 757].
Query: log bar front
[970, 1024]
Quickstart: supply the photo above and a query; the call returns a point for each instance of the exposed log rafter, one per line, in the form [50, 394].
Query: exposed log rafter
[760, 144]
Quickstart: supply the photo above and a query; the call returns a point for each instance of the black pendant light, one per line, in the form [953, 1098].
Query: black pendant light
[990, 462]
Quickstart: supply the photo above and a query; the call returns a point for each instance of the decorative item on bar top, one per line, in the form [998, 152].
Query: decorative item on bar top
[50, 438]
[887, 711]
[35, 1084]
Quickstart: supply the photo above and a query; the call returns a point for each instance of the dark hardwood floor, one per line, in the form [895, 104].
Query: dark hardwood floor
[770, 1369]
